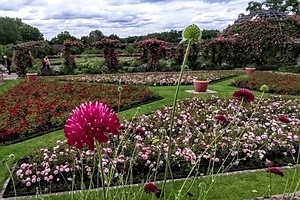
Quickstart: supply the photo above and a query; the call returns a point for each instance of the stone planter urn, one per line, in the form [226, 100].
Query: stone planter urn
[250, 70]
[31, 76]
[200, 86]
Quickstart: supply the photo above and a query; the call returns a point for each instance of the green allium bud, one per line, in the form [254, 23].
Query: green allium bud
[191, 33]
[264, 88]
[120, 89]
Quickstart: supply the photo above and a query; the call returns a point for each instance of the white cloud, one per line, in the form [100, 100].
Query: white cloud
[122, 17]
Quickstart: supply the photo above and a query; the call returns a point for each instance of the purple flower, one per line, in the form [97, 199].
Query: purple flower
[244, 94]
[90, 121]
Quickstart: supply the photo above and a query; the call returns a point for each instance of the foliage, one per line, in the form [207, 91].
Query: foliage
[287, 6]
[29, 110]
[153, 50]
[13, 30]
[69, 60]
[61, 37]
[259, 42]
[41, 50]
[109, 47]
[5, 50]
[93, 36]
[9, 31]
[29, 33]
[22, 57]
[278, 83]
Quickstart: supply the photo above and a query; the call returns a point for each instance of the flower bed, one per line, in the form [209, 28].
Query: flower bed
[154, 79]
[31, 109]
[278, 83]
[201, 130]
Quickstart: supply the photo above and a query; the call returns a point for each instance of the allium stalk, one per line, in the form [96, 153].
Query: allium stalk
[191, 34]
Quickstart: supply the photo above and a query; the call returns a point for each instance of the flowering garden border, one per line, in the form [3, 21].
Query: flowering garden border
[145, 129]
[278, 83]
[155, 79]
[41, 112]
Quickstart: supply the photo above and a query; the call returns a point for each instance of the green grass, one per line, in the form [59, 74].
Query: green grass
[8, 84]
[229, 187]
[234, 187]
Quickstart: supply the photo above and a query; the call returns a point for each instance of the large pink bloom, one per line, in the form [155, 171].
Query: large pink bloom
[91, 121]
[244, 94]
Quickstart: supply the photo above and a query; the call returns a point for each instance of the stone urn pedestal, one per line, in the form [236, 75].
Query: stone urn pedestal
[31, 76]
[200, 86]
[250, 70]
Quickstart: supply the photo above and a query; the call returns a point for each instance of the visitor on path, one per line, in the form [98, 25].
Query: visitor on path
[46, 62]
[7, 64]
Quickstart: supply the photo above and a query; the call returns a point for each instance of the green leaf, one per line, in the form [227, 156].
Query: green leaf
[191, 33]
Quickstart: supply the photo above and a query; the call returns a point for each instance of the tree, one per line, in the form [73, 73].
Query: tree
[9, 31]
[254, 6]
[60, 38]
[29, 33]
[208, 34]
[289, 6]
[94, 36]
[113, 37]
[13, 30]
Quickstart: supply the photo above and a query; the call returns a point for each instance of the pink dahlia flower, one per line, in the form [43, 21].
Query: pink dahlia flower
[269, 163]
[243, 94]
[91, 121]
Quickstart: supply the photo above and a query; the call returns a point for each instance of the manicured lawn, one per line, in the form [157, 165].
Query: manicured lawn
[233, 187]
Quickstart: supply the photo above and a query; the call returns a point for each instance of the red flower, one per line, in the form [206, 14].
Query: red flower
[221, 118]
[284, 119]
[150, 187]
[90, 121]
[140, 131]
[243, 94]
[275, 170]
[158, 193]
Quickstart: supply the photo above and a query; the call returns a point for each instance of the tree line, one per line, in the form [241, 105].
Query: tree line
[13, 31]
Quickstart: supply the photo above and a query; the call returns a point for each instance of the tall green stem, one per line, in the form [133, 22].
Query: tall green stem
[173, 113]
[99, 150]
[12, 179]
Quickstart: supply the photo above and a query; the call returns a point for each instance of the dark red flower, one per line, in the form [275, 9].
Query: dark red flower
[90, 121]
[284, 119]
[150, 187]
[275, 170]
[158, 193]
[140, 131]
[244, 94]
[221, 118]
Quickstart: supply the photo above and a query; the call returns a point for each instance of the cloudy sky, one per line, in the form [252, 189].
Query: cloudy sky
[122, 17]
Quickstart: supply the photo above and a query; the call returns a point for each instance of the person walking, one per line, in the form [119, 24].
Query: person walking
[45, 62]
[7, 64]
